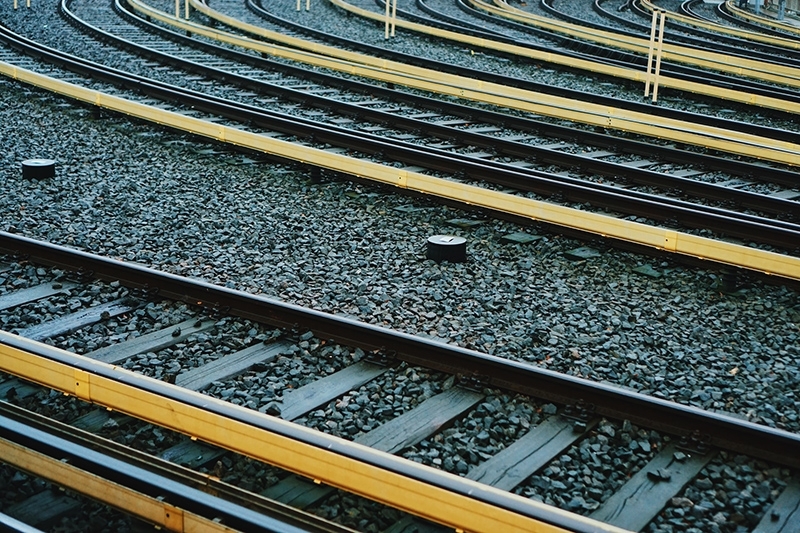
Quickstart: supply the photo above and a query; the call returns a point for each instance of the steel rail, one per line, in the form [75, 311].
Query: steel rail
[423, 491]
[627, 58]
[723, 11]
[504, 96]
[714, 30]
[642, 176]
[9, 524]
[165, 495]
[589, 51]
[739, 15]
[738, 225]
[458, 193]
[706, 34]
[255, 5]
[773, 231]
[721, 430]
[725, 92]
[739, 65]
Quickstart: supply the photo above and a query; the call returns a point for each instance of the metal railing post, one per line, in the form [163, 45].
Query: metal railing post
[663, 16]
[386, 28]
[654, 52]
[650, 52]
[394, 16]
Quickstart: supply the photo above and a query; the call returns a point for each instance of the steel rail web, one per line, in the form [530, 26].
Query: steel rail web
[136, 483]
[743, 226]
[643, 176]
[721, 430]
[382, 477]
[515, 94]
[702, 57]
[256, 7]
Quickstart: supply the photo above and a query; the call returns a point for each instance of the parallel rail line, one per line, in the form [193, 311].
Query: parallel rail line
[771, 262]
[769, 204]
[444, 498]
[600, 67]
[539, 103]
[742, 66]
[699, 33]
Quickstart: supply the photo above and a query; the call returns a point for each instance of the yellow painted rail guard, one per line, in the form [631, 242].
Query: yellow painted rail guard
[634, 75]
[767, 21]
[322, 464]
[605, 226]
[148, 508]
[471, 89]
[791, 44]
[740, 66]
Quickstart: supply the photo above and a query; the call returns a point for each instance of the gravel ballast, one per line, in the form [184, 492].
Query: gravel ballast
[348, 249]
[139, 193]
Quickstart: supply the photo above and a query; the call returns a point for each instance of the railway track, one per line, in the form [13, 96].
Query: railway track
[636, 21]
[490, 424]
[467, 164]
[758, 23]
[705, 61]
[652, 460]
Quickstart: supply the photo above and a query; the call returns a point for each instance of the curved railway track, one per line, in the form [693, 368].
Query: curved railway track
[698, 56]
[735, 43]
[524, 52]
[635, 433]
[471, 165]
[677, 445]
[758, 23]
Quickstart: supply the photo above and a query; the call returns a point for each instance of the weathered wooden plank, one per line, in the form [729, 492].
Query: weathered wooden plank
[151, 342]
[302, 400]
[401, 432]
[231, 365]
[192, 453]
[649, 490]
[297, 492]
[17, 388]
[43, 508]
[784, 515]
[32, 294]
[514, 464]
[93, 421]
[422, 421]
[77, 320]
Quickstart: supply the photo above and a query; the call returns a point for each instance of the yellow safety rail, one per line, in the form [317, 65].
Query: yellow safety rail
[791, 44]
[504, 96]
[153, 510]
[318, 463]
[733, 95]
[766, 21]
[605, 226]
[740, 66]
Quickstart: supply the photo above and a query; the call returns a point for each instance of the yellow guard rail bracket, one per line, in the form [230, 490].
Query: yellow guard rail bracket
[284, 444]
